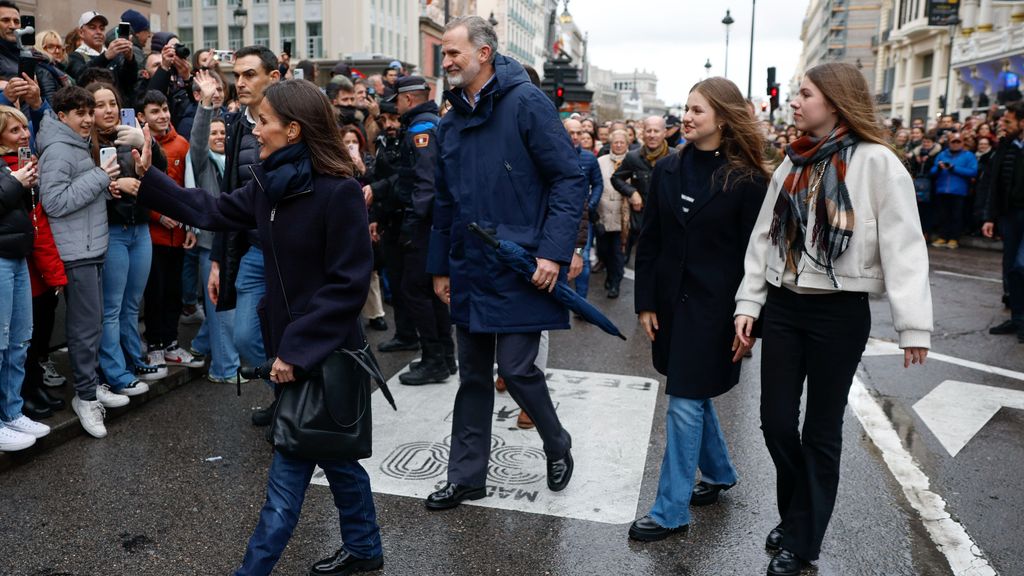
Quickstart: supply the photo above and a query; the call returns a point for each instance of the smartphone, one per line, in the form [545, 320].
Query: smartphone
[124, 30]
[27, 65]
[28, 40]
[128, 117]
[106, 154]
[299, 74]
[287, 48]
[24, 156]
[226, 56]
[353, 150]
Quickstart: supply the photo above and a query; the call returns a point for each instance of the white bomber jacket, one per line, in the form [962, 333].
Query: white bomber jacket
[887, 252]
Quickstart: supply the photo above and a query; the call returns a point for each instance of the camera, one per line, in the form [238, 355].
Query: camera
[182, 51]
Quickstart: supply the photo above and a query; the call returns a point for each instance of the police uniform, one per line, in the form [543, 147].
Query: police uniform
[417, 166]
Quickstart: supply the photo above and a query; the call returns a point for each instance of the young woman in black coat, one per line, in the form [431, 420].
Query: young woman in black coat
[702, 204]
[312, 222]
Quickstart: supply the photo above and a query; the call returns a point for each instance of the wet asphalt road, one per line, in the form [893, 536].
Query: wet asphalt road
[144, 500]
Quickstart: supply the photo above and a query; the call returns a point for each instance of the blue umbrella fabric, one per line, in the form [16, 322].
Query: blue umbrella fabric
[517, 258]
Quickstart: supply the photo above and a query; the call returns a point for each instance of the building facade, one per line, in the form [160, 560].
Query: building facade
[639, 93]
[840, 31]
[988, 55]
[358, 29]
[62, 15]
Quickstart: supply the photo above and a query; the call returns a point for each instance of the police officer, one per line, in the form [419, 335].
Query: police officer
[417, 165]
[387, 211]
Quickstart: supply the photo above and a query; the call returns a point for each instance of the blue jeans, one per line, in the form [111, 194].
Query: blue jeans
[216, 335]
[190, 278]
[694, 441]
[125, 273]
[583, 280]
[15, 333]
[250, 286]
[286, 489]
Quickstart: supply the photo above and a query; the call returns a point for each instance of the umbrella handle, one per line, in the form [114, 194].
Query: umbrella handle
[488, 238]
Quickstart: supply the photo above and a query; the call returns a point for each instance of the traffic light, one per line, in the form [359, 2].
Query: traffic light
[559, 95]
[771, 79]
[773, 96]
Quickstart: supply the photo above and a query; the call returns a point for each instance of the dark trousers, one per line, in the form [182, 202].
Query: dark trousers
[44, 313]
[286, 490]
[163, 296]
[951, 215]
[405, 329]
[1011, 226]
[820, 338]
[609, 251]
[428, 313]
[474, 402]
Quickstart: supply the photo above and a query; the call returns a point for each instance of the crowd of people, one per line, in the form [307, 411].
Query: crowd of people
[135, 173]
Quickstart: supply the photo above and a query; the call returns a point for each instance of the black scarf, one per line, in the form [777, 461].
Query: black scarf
[287, 170]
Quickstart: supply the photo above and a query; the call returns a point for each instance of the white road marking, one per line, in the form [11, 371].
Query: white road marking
[878, 347]
[411, 446]
[969, 276]
[956, 411]
[963, 554]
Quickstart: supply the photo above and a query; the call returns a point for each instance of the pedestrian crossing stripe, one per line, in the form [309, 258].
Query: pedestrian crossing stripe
[608, 415]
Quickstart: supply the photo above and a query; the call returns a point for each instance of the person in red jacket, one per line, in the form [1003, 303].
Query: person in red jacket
[170, 240]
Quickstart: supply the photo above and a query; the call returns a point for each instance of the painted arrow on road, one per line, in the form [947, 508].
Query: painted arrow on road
[956, 411]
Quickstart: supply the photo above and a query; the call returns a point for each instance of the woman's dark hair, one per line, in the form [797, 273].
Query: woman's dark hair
[359, 136]
[95, 87]
[300, 101]
[72, 98]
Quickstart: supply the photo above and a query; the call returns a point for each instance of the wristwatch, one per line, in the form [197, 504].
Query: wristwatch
[578, 251]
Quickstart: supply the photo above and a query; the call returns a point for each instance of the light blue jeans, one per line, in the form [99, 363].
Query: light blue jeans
[125, 273]
[694, 440]
[250, 286]
[15, 333]
[216, 335]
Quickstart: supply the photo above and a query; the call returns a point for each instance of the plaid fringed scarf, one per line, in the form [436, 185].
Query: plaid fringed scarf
[818, 176]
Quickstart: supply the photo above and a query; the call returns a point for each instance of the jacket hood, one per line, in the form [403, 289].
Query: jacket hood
[428, 107]
[53, 131]
[507, 75]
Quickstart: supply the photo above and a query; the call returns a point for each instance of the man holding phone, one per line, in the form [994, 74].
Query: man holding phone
[118, 57]
[954, 168]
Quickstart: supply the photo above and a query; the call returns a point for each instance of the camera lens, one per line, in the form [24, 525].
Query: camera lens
[182, 51]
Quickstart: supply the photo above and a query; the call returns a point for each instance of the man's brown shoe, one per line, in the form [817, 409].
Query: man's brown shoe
[524, 420]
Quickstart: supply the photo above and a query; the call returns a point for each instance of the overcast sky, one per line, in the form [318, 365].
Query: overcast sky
[675, 37]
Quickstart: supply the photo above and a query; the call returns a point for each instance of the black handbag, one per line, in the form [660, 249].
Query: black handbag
[325, 414]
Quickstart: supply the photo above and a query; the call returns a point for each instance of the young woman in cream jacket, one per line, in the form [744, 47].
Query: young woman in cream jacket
[839, 222]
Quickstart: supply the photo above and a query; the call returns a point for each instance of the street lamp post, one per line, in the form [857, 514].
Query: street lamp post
[241, 16]
[707, 68]
[750, 69]
[728, 21]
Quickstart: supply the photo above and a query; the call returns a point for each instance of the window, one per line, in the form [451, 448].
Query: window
[186, 38]
[235, 38]
[210, 37]
[261, 35]
[288, 36]
[184, 4]
[209, 3]
[927, 62]
[314, 40]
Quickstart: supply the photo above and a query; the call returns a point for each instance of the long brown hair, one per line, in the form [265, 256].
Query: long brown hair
[742, 140]
[845, 88]
[300, 101]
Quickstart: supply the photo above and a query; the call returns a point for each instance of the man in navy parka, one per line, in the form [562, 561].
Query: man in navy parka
[506, 164]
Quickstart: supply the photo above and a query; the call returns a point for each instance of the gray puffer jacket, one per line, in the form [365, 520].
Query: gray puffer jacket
[73, 191]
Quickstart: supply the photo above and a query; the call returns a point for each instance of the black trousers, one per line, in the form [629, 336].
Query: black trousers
[516, 355]
[819, 338]
[163, 296]
[391, 250]
[428, 313]
[44, 312]
[609, 251]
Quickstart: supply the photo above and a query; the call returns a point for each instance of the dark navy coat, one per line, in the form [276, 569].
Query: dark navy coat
[689, 264]
[322, 248]
[509, 166]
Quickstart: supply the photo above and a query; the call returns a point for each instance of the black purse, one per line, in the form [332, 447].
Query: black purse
[325, 414]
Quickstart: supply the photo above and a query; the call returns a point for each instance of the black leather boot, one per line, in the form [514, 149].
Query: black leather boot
[432, 369]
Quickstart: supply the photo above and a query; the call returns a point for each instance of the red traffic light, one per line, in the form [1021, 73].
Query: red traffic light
[560, 92]
[774, 92]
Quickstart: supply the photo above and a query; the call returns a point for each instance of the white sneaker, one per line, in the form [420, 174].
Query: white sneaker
[150, 373]
[26, 425]
[108, 398]
[12, 440]
[90, 414]
[51, 377]
[178, 356]
[156, 358]
[136, 388]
